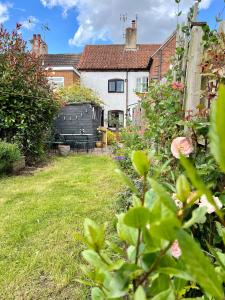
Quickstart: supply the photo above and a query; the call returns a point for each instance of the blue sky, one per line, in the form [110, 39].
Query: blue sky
[74, 23]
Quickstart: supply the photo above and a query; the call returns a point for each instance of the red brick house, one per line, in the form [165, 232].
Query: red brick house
[61, 68]
[160, 61]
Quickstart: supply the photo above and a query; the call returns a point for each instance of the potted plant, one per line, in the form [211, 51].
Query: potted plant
[99, 144]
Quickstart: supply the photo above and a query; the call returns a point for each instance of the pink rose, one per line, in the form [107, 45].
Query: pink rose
[181, 145]
[175, 249]
[178, 86]
[203, 202]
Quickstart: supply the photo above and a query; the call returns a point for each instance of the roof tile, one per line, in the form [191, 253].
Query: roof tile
[116, 57]
[51, 60]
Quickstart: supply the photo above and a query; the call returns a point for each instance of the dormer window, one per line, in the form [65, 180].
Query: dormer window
[116, 86]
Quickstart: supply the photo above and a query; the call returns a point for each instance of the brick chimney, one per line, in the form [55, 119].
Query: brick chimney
[39, 47]
[131, 37]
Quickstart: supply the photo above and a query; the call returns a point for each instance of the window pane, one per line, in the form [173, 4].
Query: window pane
[112, 86]
[119, 86]
[115, 119]
[56, 82]
[138, 85]
[145, 84]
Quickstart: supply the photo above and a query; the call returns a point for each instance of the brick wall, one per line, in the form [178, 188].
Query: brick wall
[70, 77]
[162, 59]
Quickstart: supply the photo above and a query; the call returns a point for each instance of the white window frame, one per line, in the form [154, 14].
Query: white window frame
[142, 84]
[53, 84]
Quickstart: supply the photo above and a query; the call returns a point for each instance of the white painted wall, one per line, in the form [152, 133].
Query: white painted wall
[98, 81]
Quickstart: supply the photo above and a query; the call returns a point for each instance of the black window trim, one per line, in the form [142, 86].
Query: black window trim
[115, 80]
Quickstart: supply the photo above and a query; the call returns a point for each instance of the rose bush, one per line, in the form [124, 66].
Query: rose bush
[161, 254]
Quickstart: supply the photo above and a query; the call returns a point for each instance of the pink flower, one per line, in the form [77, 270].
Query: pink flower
[175, 249]
[178, 86]
[203, 202]
[181, 145]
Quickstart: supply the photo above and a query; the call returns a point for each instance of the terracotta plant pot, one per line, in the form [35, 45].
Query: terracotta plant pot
[64, 150]
[99, 144]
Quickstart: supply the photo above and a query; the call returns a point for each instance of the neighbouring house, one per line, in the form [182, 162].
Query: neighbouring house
[160, 61]
[61, 69]
[118, 73]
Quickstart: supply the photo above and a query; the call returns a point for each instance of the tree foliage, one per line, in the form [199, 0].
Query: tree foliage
[27, 103]
[79, 94]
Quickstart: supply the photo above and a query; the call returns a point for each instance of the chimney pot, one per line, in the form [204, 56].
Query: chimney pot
[39, 47]
[133, 24]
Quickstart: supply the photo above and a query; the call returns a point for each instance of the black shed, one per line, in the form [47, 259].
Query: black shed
[76, 124]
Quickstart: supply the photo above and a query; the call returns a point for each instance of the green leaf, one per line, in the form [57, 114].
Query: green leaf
[197, 182]
[216, 133]
[127, 181]
[221, 231]
[94, 259]
[137, 217]
[140, 294]
[198, 216]
[159, 284]
[199, 266]
[163, 195]
[165, 295]
[165, 228]
[140, 162]
[175, 272]
[126, 233]
[94, 234]
[118, 284]
[97, 294]
[182, 188]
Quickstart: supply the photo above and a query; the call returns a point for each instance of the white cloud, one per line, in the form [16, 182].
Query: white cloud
[4, 11]
[29, 23]
[100, 19]
[65, 4]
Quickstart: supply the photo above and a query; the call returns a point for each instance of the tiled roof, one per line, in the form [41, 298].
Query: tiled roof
[116, 57]
[53, 60]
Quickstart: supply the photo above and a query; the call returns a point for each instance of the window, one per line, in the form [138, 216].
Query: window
[115, 118]
[142, 84]
[116, 86]
[56, 82]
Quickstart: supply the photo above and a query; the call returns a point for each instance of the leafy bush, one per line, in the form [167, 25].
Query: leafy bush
[9, 153]
[28, 105]
[160, 254]
[77, 93]
[111, 138]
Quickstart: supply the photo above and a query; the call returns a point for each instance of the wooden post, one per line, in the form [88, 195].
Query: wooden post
[194, 69]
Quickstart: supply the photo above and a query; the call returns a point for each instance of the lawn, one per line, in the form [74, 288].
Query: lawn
[41, 223]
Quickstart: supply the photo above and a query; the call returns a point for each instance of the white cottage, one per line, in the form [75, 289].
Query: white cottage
[116, 73]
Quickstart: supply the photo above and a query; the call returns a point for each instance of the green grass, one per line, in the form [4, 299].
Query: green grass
[41, 223]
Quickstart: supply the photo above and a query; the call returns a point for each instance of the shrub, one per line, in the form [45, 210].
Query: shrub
[28, 105]
[9, 153]
[79, 94]
[161, 254]
[111, 138]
